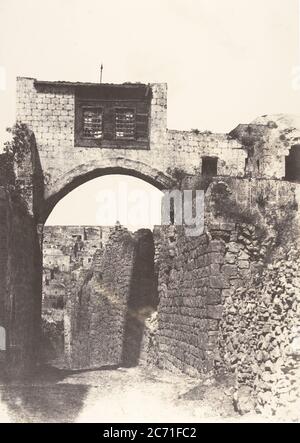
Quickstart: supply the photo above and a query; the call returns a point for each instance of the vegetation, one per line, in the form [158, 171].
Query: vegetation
[14, 152]
[275, 225]
[19, 145]
[202, 181]
[178, 175]
[226, 206]
[197, 132]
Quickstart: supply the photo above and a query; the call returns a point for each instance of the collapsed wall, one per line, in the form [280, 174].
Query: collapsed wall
[259, 336]
[229, 299]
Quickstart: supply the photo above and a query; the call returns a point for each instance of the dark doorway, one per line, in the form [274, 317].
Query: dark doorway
[209, 165]
[143, 298]
[292, 164]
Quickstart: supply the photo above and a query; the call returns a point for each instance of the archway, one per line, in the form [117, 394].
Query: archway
[72, 252]
[66, 183]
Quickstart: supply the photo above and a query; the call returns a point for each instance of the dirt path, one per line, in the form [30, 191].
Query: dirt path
[118, 395]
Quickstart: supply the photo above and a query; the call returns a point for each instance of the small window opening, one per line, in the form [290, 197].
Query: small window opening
[209, 166]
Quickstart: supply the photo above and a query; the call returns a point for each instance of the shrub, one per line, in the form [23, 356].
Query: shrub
[178, 174]
[19, 146]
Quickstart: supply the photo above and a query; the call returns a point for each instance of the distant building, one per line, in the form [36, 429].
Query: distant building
[53, 295]
[55, 258]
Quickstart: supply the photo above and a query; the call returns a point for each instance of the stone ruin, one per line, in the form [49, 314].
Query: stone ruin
[227, 301]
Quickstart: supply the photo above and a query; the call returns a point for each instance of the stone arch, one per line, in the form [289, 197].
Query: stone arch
[76, 177]
[88, 171]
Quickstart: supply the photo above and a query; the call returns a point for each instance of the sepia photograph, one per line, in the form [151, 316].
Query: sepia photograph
[149, 214]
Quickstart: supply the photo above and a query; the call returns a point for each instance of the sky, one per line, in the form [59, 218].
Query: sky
[225, 62]
[105, 200]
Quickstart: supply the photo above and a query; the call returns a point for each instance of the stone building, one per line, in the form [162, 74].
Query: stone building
[228, 299]
[54, 294]
[68, 251]
[55, 258]
[84, 126]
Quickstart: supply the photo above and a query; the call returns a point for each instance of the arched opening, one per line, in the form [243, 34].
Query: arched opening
[99, 281]
[89, 171]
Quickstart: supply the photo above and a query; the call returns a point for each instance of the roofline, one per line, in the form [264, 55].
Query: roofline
[74, 84]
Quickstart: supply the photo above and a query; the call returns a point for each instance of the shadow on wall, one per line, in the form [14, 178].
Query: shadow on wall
[142, 300]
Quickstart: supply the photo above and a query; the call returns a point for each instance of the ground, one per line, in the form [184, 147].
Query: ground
[118, 395]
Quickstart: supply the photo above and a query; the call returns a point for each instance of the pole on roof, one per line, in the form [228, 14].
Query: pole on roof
[101, 70]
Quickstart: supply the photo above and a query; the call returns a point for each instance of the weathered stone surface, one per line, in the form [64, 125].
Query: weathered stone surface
[260, 330]
[259, 306]
[108, 304]
[220, 282]
[190, 305]
[49, 111]
[20, 284]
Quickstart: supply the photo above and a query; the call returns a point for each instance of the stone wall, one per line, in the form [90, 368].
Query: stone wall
[107, 306]
[194, 273]
[229, 299]
[97, 304]
[268, 140]
[259, 335]
[258, 149]
[20, 283]
[3, 253]
[189, 148]
[49, 111]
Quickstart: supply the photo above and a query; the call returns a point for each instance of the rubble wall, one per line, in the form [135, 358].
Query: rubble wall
[223, 308]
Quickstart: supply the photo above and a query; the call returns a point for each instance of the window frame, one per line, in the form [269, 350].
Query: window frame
[141, 139]
[86, 107]
[206, 169]
[129, 109]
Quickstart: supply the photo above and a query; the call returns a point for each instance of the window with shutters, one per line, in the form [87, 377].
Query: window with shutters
[125, 123]
[92, 122]
[113, 116]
